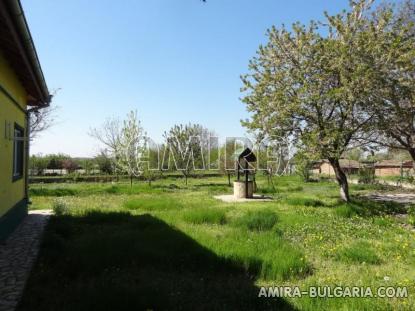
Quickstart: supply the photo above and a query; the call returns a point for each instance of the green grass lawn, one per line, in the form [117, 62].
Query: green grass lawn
[172, 247]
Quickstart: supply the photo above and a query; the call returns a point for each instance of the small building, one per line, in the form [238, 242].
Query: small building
[393, 168]
[22, 89]
[324, 167]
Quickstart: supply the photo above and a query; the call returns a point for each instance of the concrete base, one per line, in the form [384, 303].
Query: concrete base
[239, 189]
[230, 198]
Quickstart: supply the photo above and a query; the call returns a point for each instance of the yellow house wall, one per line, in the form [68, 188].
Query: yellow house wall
[10, 192]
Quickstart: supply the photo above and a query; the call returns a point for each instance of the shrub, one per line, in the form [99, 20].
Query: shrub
[262, 220]
[60, 207]
[366, 175]
[205, 216]
[303, 166]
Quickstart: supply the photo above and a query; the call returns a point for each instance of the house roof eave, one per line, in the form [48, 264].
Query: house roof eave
[20, 50]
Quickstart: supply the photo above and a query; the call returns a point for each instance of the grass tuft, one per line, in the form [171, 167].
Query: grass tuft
[205, 216]
[159, 203]
[52, 192]
[60, 207]
[345, 210]
[301, 201]
[295, 189]
[261, 220]
[360, 252]
[113, 190]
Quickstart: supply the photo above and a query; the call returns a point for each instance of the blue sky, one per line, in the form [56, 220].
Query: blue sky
[174, 61]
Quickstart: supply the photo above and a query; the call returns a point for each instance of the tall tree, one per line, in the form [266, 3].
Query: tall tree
[109, 136]
[187, 147]
[315, 87]
[130, 151]
[105, 163]
[394, 57]
[42, 119]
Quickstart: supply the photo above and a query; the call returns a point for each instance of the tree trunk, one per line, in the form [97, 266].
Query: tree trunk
[131, 181]
[412, 153]
[229, 179]
[185, 178]
[341, 179]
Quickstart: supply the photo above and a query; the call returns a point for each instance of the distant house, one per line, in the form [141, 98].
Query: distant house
[392, 167]
[324, 167]
[22, 87]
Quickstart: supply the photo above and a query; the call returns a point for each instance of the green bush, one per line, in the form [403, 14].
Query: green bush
[366, 175]
[205, 216]
[60, 207]
[262, 220]
[303, 166]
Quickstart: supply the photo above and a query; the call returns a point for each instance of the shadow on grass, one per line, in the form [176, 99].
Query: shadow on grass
[117, 261]
[367, 208]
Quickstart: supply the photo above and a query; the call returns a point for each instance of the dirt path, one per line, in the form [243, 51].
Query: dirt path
[402, 198]
[389, 183]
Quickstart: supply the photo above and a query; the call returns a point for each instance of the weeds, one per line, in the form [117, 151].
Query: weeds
[60, 207]
[360, 252]
[261, 220]
[205, 216]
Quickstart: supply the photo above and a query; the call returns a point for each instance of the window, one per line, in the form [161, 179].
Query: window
[18, 152]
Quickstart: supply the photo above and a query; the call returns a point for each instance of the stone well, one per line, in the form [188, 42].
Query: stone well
[239, 189]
